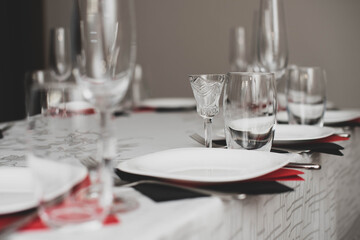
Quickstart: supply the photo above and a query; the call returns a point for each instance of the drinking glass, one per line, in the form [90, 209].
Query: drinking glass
[207, 91]
[272, 40]
[74, 189]
[306, 95]
[249, 110]
[60, 54]
[238, 62]
[106, 62]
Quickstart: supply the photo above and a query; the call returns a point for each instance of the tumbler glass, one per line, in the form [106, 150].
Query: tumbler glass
[306, 95]
[250, 110]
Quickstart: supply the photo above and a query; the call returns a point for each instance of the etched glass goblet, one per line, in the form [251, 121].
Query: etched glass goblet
[207, 91]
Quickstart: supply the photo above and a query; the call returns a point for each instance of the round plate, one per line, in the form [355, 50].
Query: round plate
[205, 165]
[18, 188]
[330, 117]
[341, 116]
[285, 133]
[169, 103]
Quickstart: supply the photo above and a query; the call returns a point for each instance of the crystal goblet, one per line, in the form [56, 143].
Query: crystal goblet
[207, 91]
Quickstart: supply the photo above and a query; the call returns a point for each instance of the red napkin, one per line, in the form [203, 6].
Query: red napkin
[37, 224]
[282, 174]
[332, 138]
[144, 109]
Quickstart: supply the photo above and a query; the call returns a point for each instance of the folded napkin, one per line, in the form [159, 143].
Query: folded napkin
[163, 109]
[265, 184]
[29, 221]
[324, 145]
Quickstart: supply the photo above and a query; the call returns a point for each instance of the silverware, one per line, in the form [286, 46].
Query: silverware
[221, 195]
[308, 166]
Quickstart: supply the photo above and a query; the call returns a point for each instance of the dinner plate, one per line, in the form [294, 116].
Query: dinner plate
[169, 103]
[340, 116]
[205, 165]
[18, 188]
[330, 117]
[285, 133]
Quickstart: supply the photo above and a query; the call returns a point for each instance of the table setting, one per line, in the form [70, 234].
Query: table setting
[233, 161]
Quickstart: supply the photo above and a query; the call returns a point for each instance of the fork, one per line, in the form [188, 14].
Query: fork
[223, 196]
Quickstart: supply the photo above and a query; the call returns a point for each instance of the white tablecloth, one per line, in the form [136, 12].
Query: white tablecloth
[325, 206]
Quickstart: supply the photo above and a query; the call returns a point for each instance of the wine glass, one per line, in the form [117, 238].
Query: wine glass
[60, 49]
[272, 40]
[207, 91]
[72, 192]
[106, 62]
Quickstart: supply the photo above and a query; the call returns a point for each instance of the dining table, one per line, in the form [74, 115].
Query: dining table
[325, 205]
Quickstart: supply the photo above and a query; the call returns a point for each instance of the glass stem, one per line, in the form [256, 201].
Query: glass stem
[208, 132]
[107, 140]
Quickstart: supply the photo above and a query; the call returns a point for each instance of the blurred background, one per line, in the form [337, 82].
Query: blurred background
[176, 38]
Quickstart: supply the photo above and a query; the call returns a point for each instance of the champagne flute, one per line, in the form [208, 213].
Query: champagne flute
[106, 62]
[207, 91]
[60, 59]
[272, 40]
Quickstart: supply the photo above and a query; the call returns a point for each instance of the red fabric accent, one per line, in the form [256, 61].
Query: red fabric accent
[144, 109]
[332, 138]
[37, 224]
[282, 174]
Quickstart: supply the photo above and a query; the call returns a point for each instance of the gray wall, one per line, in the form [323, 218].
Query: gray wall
[181, 37]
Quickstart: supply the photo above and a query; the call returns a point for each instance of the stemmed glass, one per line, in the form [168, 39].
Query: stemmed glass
[60, 49]
[207, 91]
[272, 40]
[106, 62]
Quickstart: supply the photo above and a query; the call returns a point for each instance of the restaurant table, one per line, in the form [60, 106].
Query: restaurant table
[324, 206]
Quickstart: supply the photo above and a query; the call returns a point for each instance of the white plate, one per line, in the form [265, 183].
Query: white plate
[169, 103]
[340, 116]
[18, 189]
[285, 133]
[206, 165]
[330, 117]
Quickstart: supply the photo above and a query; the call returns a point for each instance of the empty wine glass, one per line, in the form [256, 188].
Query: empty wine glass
[106, 62]
[272, 40]
[207, 91]
[60, 57]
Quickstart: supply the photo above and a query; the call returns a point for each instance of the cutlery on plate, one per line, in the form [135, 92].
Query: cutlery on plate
[308, 166]
[221, 195]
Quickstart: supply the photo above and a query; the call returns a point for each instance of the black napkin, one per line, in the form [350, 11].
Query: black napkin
[160, 193]
[165, 109]
[328, 148]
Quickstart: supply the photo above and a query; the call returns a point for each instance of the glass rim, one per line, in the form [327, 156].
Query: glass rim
[306, 68]
[207, 74]
[249, 74]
